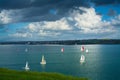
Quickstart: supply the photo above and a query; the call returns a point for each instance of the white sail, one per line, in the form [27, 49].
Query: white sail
[43, 61]
[62, 49]
[82, 48]
[82, 59]
[26, 50]
[87, 51]
[26, 66]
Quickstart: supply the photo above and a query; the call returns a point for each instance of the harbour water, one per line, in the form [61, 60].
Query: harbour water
[102, 62]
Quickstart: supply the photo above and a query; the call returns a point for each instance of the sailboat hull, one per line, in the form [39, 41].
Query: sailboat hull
[87, 51]
[82, 61]
[26, 68]
[43, 62]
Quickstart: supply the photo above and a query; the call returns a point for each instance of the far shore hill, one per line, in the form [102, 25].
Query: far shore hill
[64, 42]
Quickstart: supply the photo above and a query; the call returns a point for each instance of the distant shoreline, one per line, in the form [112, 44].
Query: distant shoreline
[64, 42]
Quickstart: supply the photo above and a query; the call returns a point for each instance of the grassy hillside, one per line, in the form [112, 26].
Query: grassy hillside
[6, 74]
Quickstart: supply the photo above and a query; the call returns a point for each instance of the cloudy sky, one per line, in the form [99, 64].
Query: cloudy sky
[38, 20]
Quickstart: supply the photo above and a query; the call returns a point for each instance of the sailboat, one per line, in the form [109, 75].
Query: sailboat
[87, 51]
[26, 50]
[26, 67]
[62, 49]
[43, 60]
[82, 59]
[82, 48]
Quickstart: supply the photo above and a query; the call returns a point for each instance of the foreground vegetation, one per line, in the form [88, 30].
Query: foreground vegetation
[6, 74]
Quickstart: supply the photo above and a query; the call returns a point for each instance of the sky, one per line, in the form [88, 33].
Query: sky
[46, 20]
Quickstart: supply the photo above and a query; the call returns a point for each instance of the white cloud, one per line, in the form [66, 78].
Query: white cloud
[98, 30]
[61, 24]
[50, 28]
[119, 17]
[116, 20]
[89, 19]
[90, 22]
[24, 35]
[86, 23]
[33, 27]
[48, 33]
[8, 16]
[4, 17]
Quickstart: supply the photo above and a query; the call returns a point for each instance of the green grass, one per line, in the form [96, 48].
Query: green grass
[6, 74]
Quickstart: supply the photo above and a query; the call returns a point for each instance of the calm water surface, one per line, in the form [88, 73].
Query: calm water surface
[102, 61]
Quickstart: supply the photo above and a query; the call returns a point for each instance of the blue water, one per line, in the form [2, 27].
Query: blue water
[102, 62]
